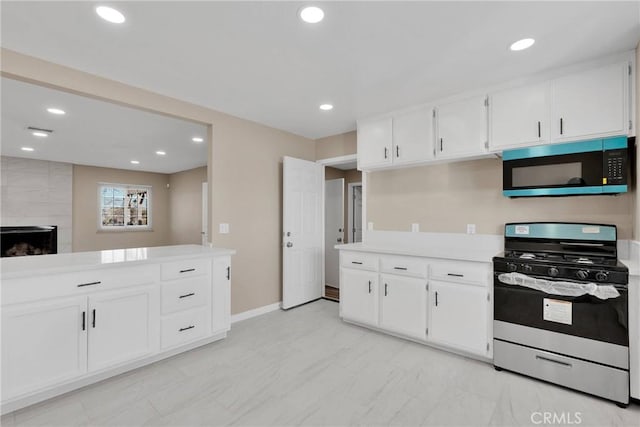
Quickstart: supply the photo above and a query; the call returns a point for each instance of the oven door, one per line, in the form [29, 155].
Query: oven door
[583, 316]
[553, 175]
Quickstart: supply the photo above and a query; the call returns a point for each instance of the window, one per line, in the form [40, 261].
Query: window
[124, 207]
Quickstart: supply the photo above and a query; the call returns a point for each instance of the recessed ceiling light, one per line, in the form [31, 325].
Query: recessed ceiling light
[135, 162]
[27, 149]
[311, 14]
[197, 139]
[326, 107]
[160, 153]
[57, 111]
[110, 14]
[40, 134]
[522, 44]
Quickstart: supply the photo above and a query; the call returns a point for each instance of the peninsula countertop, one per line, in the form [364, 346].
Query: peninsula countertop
[15, 267]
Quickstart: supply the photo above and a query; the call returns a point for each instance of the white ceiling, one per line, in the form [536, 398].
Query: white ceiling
[256, 60]
[94, 132]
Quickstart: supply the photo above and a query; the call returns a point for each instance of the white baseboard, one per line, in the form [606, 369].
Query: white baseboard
[255, 312]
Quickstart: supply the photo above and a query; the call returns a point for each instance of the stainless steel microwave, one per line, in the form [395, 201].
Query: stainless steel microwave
[597, 166]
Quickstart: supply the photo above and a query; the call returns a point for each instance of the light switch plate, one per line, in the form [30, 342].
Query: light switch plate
[369, 226]
[224, 228]
[471, 229]
[415, 227]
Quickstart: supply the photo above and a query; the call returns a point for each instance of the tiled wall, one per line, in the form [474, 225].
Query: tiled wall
[37, 192]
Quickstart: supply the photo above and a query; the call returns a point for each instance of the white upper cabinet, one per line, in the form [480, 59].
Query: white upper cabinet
[591, 104]
[374, 143]
[462, 128]
[520, 117]
[413, 136]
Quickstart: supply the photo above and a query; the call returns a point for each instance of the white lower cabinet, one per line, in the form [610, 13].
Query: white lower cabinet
[221, 294]
[358, 296]
[123, 326]
[403, 305]
[459, 316]
[43, 343]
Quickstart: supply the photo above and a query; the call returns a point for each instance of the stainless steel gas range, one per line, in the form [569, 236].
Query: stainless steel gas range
[561, 307]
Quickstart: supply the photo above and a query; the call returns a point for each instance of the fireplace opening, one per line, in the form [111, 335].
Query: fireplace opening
[28, 240]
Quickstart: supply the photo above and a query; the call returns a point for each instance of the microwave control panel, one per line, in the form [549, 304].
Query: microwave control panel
[615, 167]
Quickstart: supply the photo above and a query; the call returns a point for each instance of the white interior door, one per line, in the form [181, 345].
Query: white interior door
[302, 225]
[205, 214]
[333, 229]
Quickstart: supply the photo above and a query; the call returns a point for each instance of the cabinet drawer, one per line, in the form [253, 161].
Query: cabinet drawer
[461, 271]
[181, 328]
[184, 294]
[76, 283]
[360, 260]
[408, 266]
[185, 268]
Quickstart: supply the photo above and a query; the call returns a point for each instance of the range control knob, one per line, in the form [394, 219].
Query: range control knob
[553, 271]
[601, 276]
[582, 274]
[527, 268]
[511, 266]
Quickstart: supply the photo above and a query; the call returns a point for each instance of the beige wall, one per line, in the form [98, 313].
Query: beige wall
[244, 175]
[336, 146]
[86, 236]
[185, 206]
[445, 197]
[349, 176]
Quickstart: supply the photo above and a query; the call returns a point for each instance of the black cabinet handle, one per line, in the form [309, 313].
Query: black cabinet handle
[397, 151]
[386, 150]
[440, 144]
[455, 275]
[229, 273]
[356, 262]
[88, 284]
[539, 132]
[369, 286]
[187, 270]
[187, 295]
[400, 268]
[93, 321]
[436, 298]
[561, 126]
[187, 328]
[84, 320]
[385, 289]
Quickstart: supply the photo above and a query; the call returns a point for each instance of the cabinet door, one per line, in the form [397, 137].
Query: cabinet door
[358, 296]
[520, 116]
[403, 305]
[43, 344]
[413, 136]
[374, 143]
[123, 326]
[221, 314]
[459, 316]
[591, 104]
[462, 128]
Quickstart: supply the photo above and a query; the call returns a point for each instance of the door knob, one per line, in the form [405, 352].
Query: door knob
[289, 244]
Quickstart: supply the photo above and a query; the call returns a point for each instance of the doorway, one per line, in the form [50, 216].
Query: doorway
[354, 212]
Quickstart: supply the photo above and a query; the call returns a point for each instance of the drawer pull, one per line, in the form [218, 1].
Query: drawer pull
[187, 295]
[559, 362]
[356, 262]
[400, 268]
[88, 284]
[186, 329]
[455, 275]
[187, 270]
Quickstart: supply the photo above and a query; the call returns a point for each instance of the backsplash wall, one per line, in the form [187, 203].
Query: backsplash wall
[37, 192]
[447, 197]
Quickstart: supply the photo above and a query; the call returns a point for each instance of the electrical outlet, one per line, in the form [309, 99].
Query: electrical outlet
[369, 226]
[471, 229]
[224, 228]
[415, 227]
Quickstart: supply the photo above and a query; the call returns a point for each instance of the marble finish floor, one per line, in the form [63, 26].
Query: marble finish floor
[306, 367]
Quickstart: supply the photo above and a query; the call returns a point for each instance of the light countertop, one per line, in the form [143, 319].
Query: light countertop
[633, 266]
[457, 253]
[14, 267]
